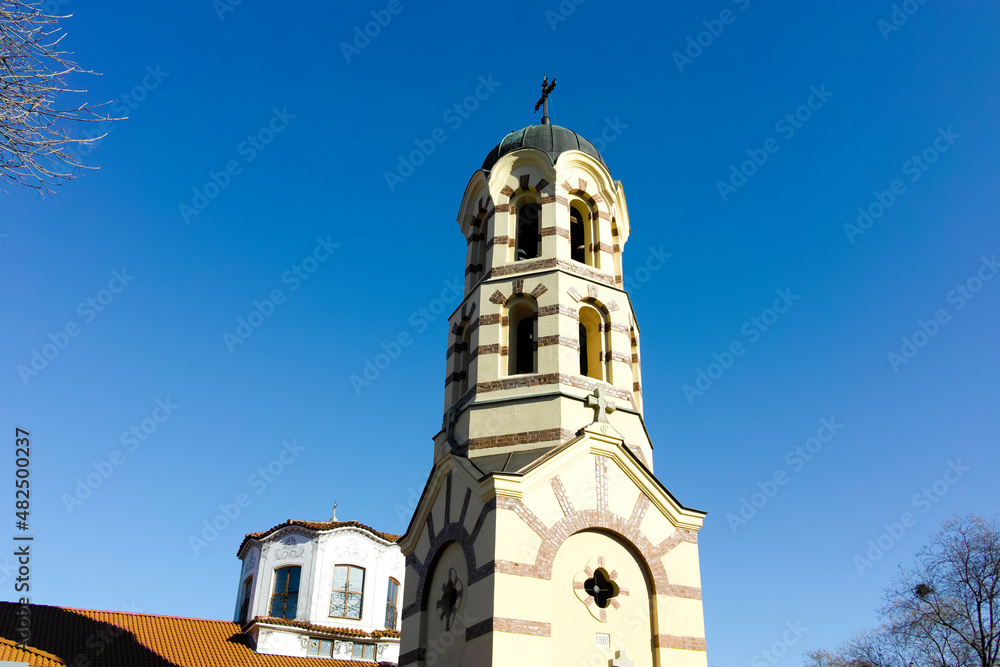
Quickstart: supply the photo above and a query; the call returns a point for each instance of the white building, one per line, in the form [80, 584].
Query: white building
[322, 588]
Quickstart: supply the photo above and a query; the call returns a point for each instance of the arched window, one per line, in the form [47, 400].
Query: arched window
[593, 346]
[285, 599]
[245, 607]
[577, 237]
[391, 603]
[477, 249]
[463, 357]
[480, 257]
[348, 591]
[636, 377]
[616, 248]
[522, 322]
[528, 236]
[583, 234]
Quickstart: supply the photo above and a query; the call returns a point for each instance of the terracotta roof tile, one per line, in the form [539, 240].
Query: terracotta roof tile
[350, 632]
[10, 651]
[86, 638]
[318, 526]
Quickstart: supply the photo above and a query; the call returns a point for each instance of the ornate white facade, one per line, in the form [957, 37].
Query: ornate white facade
[294, 597]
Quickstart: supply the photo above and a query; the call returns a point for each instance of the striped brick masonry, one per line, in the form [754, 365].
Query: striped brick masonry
[561, 496]
[559, 435]
[451, 531]
[601, 482]
[509, 625]
[685, 643]
[571, 343]
[575, 520]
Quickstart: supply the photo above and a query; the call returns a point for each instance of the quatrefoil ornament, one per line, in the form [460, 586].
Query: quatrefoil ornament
[596, 587]
[451, 598]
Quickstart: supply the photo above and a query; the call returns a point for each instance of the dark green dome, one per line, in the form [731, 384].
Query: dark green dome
[550, 139]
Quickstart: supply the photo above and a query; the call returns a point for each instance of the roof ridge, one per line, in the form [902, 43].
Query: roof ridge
[327, 525]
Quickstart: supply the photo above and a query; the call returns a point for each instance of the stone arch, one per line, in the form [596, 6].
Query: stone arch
[576, 520]
[520, 333]
[453, 530]
[587, 215]
[628, 618]
[462, 354]
[446, 602]
[594, 339]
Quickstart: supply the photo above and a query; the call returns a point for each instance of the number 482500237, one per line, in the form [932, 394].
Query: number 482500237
[22, 483]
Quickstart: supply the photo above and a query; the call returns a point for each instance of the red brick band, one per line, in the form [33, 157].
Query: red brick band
[685, 643]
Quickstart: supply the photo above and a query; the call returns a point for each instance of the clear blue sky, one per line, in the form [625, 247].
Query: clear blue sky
[884, 96]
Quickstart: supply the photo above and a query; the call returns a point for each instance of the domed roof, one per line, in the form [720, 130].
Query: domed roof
[551, 139]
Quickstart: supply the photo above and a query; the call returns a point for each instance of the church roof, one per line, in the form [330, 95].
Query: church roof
[318, 526]
[61, 636]
[550, 139]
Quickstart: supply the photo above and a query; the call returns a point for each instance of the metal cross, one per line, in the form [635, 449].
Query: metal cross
[543, 101]
[599, 399]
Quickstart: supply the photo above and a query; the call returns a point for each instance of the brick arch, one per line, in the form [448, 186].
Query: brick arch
[449, 533]
[602, 518]
[476, 240]
[467, 322]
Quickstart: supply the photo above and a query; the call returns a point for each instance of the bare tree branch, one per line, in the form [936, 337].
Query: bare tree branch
[944, 611]
[36, 147]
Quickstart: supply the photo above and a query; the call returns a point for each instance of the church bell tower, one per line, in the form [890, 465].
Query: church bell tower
[542, 535]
